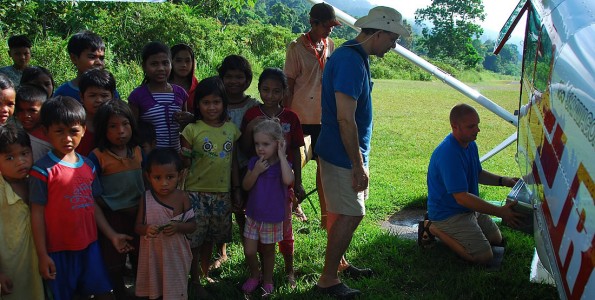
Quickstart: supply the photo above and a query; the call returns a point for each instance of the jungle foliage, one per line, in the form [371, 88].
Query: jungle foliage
[258, 30]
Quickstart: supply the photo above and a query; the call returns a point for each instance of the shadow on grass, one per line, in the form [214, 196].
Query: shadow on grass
[419, 202]
[405, 271]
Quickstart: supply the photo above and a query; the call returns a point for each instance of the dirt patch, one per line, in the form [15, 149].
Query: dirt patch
[404, 222]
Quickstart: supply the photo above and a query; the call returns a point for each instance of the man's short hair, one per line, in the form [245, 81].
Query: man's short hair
[84, 40]
[100, 78]
[62, 110]
[11, 134]
[370, 31]
[459, 111]
[18, 41]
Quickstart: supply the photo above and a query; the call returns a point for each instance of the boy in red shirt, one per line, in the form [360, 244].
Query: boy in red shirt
[64, 214]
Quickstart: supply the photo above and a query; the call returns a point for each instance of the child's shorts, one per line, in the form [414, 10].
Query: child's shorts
[266, 233]
[212, 212]
[79, 272]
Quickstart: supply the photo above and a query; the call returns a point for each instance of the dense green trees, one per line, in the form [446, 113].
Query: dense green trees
[453, 29]
[259, 31]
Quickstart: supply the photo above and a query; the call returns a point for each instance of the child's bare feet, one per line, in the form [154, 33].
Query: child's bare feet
[299, 213]
[291, 280]
[218, 262]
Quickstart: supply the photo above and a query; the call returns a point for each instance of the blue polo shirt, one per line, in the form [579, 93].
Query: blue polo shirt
[347, 71]
[452, 169]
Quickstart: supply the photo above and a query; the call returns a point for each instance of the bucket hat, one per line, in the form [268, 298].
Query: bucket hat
[384, 18]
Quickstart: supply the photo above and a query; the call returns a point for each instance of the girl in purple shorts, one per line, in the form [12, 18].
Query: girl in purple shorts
[267, 180]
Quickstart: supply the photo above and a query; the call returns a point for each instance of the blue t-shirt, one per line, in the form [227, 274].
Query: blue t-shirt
[347, 71]
[67, 89]
[452, 169]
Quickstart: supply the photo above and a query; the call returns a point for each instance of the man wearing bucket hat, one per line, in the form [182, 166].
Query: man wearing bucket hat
[344, 142]
[304, 62]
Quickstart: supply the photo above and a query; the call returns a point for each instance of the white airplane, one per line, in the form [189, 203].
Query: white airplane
[556, 133]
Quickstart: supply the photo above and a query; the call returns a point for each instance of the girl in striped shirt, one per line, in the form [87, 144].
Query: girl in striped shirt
[158, 102]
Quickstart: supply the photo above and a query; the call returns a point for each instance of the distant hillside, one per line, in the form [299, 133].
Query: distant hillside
[355, 8]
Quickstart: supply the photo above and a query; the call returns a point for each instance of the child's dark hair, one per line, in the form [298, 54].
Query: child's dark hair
[236, 62]
[163, 156]
[18, 41]
[100, 78]
[62, 110]
[111, 108]
[84, 40]
[183, 47]
[210, 86]
[31, 73]
[146, 133]
[153, 48]
[5, 82]
[11, 134]
[29, 94]
[275, 74]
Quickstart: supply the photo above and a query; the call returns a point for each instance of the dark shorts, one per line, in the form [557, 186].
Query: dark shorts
[313, 130]
[79, 272]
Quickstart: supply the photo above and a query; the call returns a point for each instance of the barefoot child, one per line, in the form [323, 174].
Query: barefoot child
[236, 73]
[164, 217]
[19, 276]
[208, 147]
[118, 160]
[268, 178]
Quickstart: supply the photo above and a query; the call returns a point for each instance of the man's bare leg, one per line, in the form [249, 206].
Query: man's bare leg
[339, 237]
[321, 198]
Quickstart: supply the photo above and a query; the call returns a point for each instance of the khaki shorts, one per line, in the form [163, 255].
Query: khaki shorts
[339, 194]
[470, 230]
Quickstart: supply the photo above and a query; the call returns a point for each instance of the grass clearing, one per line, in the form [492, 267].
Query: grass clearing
[410, 119]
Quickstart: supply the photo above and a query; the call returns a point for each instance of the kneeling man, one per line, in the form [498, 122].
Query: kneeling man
[457, 216]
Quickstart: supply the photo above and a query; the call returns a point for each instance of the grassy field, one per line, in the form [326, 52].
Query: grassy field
[411, 118]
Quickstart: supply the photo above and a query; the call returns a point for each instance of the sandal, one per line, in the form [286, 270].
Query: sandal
[424, 237]
[250, 285]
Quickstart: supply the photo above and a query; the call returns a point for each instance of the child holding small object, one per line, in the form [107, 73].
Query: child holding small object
[268, 178]
[118, 160]
[164, 217]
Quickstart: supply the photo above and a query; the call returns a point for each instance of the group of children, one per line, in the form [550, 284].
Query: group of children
[159, 176]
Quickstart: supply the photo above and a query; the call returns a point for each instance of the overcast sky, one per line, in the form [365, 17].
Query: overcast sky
[497, 11]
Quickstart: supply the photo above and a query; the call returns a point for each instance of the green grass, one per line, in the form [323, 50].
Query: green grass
[411, 118]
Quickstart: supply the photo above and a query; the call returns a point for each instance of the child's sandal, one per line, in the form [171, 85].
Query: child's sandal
[250, 285]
